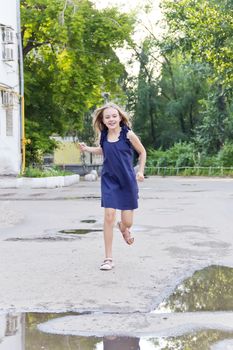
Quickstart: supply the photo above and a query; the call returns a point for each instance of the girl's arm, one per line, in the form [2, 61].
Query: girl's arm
[141, 151]
[94, 150]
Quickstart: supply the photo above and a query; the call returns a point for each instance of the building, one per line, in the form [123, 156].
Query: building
[10, 116]
[67, 151]
[68, 155]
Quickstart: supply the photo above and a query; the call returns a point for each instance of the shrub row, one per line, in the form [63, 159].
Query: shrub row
[184, 154]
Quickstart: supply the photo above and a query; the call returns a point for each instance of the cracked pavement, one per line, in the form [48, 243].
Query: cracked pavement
[182, 225]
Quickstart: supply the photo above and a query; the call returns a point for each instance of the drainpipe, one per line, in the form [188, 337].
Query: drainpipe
[21, 89]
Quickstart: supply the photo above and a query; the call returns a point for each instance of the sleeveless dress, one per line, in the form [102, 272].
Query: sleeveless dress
[119, 189]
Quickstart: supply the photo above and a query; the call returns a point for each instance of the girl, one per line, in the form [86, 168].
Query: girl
[119, 189]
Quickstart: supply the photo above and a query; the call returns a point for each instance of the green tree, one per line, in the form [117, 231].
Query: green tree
[203, 29]
[69, 57]
[182, 86]
[191, 100]
[145, 103]
[167, 107]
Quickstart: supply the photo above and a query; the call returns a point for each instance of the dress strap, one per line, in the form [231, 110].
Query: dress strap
[103, 136]
[124, 131]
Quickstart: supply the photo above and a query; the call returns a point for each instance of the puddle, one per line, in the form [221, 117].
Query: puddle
[90, 221]
[20, 332]
[81, 231]
[7, 194]
[210, 289]
[37, 194]
[202, 340]
[38, 239]
[55, 238]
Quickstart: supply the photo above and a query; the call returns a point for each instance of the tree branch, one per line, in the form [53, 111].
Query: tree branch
[32, 45]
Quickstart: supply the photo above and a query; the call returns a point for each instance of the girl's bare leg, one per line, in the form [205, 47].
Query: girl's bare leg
[109, 220]
[126, 219]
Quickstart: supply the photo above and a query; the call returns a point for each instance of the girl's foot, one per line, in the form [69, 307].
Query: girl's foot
[126, 234]
[107, 264]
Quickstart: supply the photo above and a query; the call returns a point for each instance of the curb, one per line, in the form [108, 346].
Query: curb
[40, 182]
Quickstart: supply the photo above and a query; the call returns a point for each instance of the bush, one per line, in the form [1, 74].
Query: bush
[207, 161]
[225, 155]
[44, 172]
[181, 154]
[184, 159]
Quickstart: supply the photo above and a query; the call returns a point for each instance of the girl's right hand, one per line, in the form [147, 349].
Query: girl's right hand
[140, 176]
[82, 146]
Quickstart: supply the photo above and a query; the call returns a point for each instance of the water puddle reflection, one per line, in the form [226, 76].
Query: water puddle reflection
[82, 231]
[20, 332]
[89, 221]
[209, 289]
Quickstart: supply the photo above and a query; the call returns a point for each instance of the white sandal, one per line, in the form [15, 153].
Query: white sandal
[107, 264]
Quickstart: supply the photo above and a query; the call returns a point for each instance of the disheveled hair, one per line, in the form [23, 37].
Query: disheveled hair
[98, 117]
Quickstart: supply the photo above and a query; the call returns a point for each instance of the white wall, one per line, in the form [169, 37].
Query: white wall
[10, 154]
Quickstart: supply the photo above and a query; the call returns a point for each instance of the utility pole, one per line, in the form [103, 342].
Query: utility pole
[106, 96]
[21, 89]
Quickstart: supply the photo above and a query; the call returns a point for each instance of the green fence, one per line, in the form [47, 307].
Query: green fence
[189, 171]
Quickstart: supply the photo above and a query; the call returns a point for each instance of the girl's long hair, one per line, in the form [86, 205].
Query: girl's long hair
[98, 117]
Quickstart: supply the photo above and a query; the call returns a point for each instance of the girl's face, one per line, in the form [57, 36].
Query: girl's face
[111, 118]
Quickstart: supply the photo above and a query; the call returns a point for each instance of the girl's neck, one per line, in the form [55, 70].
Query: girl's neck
[114, 134]
[114, 131]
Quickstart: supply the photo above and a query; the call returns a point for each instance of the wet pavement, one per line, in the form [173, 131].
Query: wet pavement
[23, 331]
[180, 265]
[209, 289]
[83, 231]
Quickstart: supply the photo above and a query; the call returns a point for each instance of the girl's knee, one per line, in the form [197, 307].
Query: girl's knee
[110, 218]
[127, 222]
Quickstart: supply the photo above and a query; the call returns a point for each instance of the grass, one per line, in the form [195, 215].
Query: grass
[190, 171]
[44, 172]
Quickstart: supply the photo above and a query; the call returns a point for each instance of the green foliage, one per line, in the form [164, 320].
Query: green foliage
[215, 126]
[184, 159]
[39, 144]
[181, 154]
[191, 100]
[44, 172]
[145, 102]
[225, 155]
[167, 108]
[69, 60]
[204, 28]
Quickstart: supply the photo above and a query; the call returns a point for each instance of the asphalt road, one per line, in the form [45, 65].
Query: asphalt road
[182, 225]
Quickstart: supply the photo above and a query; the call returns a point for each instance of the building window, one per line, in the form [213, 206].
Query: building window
[7, 53]
[7, 98]
[9, 122]
[7, 35]
[11, 325]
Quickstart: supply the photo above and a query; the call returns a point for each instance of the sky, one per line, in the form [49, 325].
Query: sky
[127, 5]
[144, 20]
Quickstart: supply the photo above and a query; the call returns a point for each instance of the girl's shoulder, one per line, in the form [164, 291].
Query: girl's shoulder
[128, 132]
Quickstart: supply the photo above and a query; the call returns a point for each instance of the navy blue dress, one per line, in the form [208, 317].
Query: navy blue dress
[119, 189]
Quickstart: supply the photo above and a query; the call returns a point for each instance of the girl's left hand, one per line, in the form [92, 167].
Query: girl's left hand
[140, 176]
